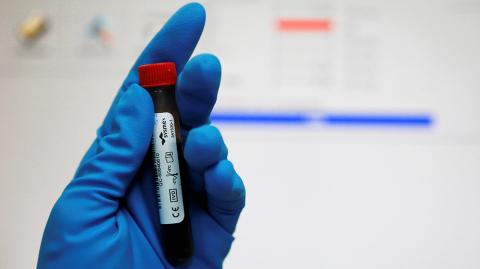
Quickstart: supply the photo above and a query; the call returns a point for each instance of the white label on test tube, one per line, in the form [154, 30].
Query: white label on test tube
[167, 170]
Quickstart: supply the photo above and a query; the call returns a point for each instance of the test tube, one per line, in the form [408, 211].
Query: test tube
[159, 80]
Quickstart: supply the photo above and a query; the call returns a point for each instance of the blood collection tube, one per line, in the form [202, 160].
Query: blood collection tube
[159, 80]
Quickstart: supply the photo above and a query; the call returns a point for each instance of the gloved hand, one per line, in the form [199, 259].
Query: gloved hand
[107, 216]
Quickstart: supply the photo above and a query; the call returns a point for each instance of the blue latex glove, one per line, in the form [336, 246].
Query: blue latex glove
[107, 216]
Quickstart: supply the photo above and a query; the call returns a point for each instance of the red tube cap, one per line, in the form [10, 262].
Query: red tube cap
[159, 74]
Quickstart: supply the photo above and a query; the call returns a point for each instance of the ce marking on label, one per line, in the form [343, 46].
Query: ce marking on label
[175, 213]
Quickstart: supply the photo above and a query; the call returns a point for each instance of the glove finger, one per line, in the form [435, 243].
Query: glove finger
[104, 177]
[197, 89]
[204, 147]
[225, 194]
[175, 42]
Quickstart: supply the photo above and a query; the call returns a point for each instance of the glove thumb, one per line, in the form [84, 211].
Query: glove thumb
[113, 160]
